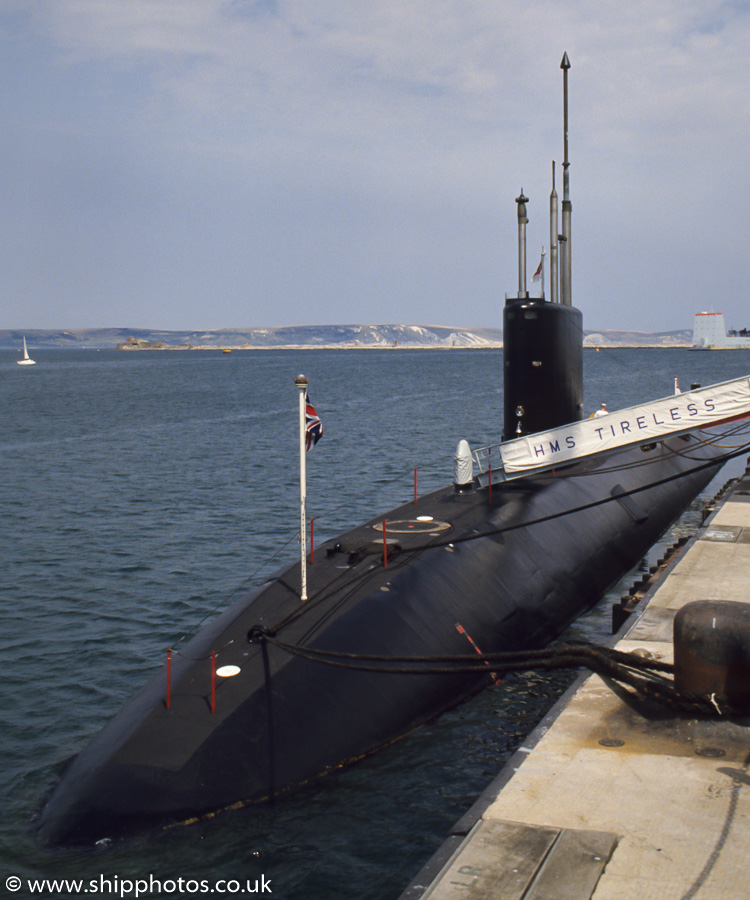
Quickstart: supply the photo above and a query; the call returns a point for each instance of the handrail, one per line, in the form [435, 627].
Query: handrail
[483, 458]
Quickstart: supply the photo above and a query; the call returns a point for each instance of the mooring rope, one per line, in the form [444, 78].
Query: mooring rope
[643, 675]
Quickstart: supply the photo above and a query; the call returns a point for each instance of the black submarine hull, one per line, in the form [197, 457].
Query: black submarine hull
[505, 573]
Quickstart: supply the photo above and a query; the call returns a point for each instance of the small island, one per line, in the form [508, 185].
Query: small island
[133, 343]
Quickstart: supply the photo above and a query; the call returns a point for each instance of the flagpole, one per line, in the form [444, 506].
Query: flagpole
[301, 383]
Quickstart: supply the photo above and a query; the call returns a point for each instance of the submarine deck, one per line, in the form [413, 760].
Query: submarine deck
[602, 803]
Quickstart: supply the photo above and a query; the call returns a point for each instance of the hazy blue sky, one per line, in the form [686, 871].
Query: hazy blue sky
[236, 163]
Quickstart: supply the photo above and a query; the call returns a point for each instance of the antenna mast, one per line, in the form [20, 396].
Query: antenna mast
[553, 238]
[522, 200]
[567, 206]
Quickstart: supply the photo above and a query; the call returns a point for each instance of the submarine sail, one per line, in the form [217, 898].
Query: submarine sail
[246, 711]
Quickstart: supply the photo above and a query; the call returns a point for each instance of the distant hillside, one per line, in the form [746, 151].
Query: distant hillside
[343, 336]
[310, 336]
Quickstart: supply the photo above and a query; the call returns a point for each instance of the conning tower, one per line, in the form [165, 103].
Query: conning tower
[543, 340]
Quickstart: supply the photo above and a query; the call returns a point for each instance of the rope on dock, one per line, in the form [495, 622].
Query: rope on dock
[644, 676]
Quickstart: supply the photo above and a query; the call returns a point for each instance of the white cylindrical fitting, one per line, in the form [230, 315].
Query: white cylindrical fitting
[463, 465]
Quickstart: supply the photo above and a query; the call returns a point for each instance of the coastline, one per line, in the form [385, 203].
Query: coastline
[494, 345]
[342, 346]
[311, 337]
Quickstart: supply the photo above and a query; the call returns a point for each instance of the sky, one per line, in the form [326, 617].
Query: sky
[199, 164]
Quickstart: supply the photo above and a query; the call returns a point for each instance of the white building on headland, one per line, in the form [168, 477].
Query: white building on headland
[710, 333]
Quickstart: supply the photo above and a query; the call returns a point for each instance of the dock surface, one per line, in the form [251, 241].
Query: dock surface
[607, 804]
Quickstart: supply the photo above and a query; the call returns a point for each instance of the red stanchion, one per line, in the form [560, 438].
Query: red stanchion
[169, 676]
[385, 547]
[213, 682]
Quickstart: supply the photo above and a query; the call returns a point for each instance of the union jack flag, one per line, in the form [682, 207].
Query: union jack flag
[313, 425]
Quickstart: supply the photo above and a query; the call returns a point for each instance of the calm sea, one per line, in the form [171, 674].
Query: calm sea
[141, 490]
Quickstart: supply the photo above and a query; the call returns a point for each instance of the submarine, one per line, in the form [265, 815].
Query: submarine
[311, 670]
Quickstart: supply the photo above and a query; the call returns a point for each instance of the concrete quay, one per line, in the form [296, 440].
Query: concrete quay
[602, 803]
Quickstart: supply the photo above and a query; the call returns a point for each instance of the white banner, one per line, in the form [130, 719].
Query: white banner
[636, 425]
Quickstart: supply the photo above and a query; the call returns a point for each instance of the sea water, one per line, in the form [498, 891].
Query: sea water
[142, 491]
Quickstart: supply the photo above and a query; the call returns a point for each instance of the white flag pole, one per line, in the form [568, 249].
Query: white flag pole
[301, 383]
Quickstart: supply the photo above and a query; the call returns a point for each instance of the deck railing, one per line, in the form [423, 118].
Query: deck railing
[485, 459]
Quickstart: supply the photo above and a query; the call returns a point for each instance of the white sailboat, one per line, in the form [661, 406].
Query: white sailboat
[26, 361]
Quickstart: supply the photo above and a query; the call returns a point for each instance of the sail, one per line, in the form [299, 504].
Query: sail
[26, 360]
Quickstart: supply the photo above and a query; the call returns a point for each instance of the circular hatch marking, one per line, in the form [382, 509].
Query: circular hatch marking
[228, 671]
[420, 525]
